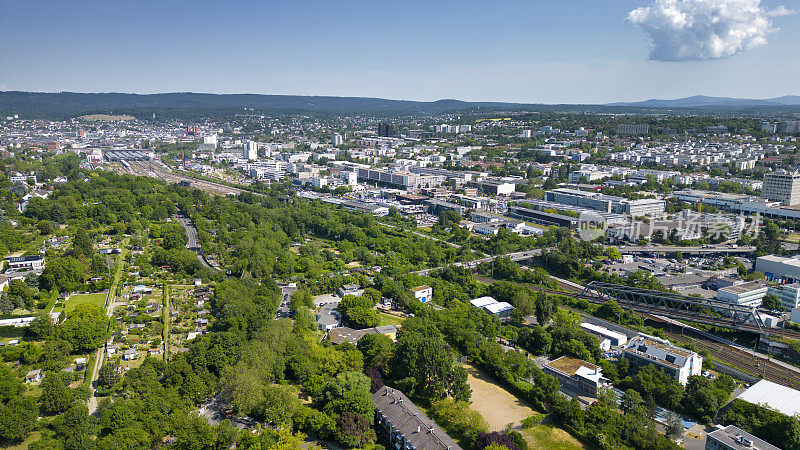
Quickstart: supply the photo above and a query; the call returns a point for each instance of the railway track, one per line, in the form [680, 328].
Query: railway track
[735, 357]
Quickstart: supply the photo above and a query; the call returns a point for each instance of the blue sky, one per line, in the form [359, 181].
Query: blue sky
[579, 51]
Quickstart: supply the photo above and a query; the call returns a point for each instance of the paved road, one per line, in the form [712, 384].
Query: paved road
[101, 352]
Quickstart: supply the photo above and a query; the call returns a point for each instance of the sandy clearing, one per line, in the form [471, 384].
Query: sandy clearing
[498, 406]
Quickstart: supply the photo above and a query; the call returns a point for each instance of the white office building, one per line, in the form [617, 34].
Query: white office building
[745, 294]
[782, 186]
[676, 362]
[788, 294]
[250, 150]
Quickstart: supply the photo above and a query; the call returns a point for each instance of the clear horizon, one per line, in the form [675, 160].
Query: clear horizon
[578, 53]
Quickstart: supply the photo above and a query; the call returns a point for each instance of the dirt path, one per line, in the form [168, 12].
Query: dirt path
[498, 406]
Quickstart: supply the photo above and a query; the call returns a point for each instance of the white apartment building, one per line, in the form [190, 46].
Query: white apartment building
[676, 362]
[782, 186]
[423, 293]
[337, 140]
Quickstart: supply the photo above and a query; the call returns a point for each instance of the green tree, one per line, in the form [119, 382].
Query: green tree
[85, 327]
[18, 418]
[56, 396]
[378, 350]
[44, 227]
[81, 243]
[349, 391]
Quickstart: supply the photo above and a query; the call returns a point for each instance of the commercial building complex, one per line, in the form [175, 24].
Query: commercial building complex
[779, 268]
[406, 180]
[605, 203]
[676, 362]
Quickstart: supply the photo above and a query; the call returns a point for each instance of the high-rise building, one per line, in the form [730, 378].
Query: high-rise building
[385, 130]
[782, 186]
[337, 140]
[791, 126]
[250, 150]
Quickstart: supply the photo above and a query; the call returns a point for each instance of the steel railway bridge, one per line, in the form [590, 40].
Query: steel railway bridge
[669, 304]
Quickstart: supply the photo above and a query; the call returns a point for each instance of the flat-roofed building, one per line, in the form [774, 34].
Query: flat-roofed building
[501, 310]
[777, 397]
[480, 302]
[745, 294]
[782, 186]
[676, 362]
[788, 294]
[23, 263]
[733, 438]
[422, 293]
[604, 333]
[779, 268]
[577, 375]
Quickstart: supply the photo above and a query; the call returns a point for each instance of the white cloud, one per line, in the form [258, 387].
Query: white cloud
[704, 29]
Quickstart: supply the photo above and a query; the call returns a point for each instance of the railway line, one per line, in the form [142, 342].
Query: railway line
[748, 361]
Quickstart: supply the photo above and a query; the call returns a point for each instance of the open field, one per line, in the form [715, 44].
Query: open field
[498, 406]
[388, 319]
[548, 437]
[75, 300]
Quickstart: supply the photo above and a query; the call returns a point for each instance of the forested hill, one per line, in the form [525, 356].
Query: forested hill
[69, 104]
[190, 105]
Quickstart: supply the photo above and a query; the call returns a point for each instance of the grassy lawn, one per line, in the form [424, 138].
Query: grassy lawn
[75, 300]
[548, 437]
[388, 319]
[793, 237]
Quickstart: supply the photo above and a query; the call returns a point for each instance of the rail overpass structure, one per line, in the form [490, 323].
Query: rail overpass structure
[680, 307]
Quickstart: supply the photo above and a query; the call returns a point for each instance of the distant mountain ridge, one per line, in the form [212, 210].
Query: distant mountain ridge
[697, 101]
[190, 105]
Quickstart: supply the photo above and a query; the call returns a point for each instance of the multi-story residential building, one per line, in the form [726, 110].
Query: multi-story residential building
[791, 126]
[788, 294]
[404, 426]
[782, 186]
[422, 293]
[678, 363]
[745, 294]
[25, 263]
[337, 140]
[576, 375]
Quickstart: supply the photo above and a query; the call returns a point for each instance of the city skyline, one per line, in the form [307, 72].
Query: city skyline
[541, 53]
